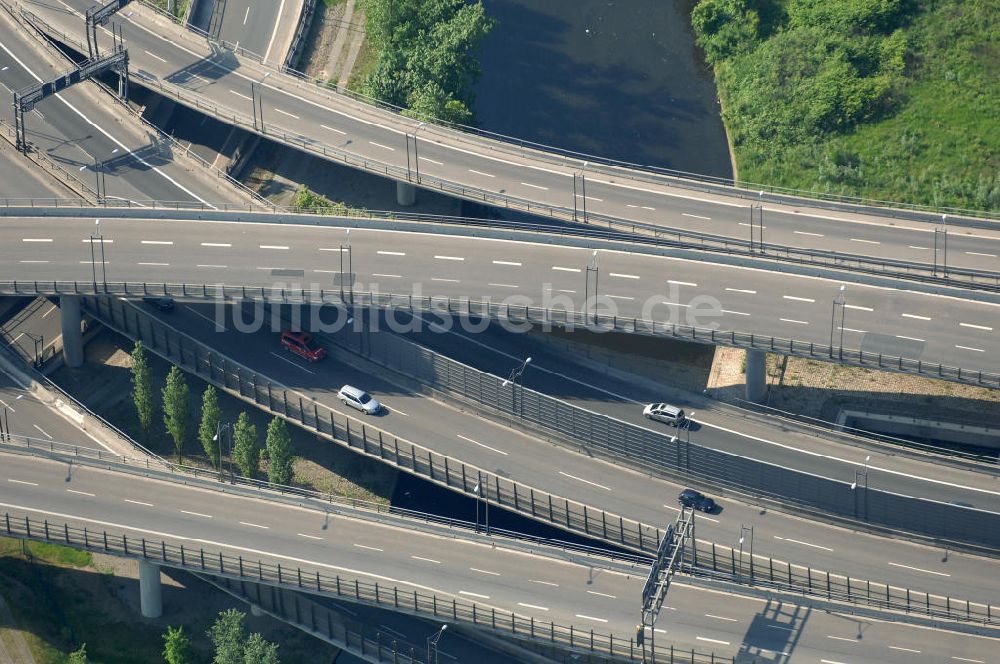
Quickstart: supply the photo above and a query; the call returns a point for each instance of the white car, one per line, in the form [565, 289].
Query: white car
[359, 399]
[664, 412]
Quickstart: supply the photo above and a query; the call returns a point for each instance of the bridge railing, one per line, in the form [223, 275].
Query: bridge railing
[352, 589]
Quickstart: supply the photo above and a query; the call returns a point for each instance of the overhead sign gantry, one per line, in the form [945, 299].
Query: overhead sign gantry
[669, 558]
[96, 16]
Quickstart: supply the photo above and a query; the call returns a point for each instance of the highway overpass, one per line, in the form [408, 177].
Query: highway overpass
[534, 583]
[236, 89]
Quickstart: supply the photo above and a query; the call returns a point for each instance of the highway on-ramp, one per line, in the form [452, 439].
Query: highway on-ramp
[585, 593]
[219, 82]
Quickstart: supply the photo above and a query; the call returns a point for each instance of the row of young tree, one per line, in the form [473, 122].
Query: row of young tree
[230, 640]
[245, 450]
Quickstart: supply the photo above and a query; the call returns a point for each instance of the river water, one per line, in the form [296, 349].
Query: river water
[614, 78]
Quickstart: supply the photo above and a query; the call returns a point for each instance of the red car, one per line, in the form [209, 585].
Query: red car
[303, 345]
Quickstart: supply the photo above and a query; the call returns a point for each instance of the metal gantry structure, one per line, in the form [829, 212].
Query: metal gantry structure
[96, 16]
[669, 558]
[26, 98]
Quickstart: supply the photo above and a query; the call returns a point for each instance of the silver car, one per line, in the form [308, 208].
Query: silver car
[664, 412]
[359, 399]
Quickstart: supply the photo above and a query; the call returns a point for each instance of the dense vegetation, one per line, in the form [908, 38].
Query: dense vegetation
[426, 55]
[887, 99]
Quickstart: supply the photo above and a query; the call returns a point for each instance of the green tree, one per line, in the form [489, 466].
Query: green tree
[260, 651]
[279, 452]
[175, 409]
[228, 635]
[246, 451]
[209, 429]
[80, 656]
[176, 646]
[142, 390]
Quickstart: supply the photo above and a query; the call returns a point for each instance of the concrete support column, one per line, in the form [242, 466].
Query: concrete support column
[756, 376]
[255, 610]
[406, 194]
[150, 590]
[72, 336]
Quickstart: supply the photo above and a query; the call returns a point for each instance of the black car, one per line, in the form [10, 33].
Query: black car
[160, 302]
[696, 499]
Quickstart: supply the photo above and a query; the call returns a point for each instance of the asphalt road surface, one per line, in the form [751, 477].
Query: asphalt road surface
[566, 473]
[162, 51]
[585, 594]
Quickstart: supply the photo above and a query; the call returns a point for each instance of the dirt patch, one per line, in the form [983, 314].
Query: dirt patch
[327, 22]
[104, 384]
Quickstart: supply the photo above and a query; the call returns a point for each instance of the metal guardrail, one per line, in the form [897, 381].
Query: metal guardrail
[615, 167]
[426, 605]
[707, 560]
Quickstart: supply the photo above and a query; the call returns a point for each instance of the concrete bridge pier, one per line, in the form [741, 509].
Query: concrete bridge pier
[756, 376]
[406, 194]
[72, 335]
[150, 590]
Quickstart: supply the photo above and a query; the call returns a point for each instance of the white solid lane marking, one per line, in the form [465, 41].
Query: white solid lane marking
[566, 269]
[966, 659]
[978, 350]
[285, 359]
[33, 261]
[80, 493]
[682, 283]
[247, 15]
[919, 248]
[710, 615]
[580, 479]
[904, 649]
[384, 147]
[624, 276]
[695, 216]
[241, 95]
[594, 592]
[620, 297]
[976, 253]
[742, 290]
[854, 239]
[274, 246]
[792, 320]
[586, 617]
[510, 263]
[858, 307]
[154, 55]
[43, 432]
[204, 516]
[291, 115]
[831, 661]
[901, 336]
[23, 482]
[793, 541]
[438, 163]
[466, 592]
[976, 327]
[798, 299]
[484, 571]
[504, 285]
[274, 33]
[534, 186]
[89, 262]
[337, 131]
[851, 329]
[707, 640]
[840, 638]
[391, 253]
[532, 606]
[216, 244]
[36, 239]
[254, 525]
[427, 560]
[370, 548]
[312, 537]
[544, 583]
[809, 234]
[338, 249]
[481, 173]
[200, 265]
[915, 316]
[138, 502]
[98, 241]
[450, 281]
[388, 276]
[449, 258]
[155, 264]
[918, 569]
[476, 442]
[157, 241]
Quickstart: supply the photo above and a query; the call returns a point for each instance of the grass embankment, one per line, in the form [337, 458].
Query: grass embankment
[885, 99]
[180, 7]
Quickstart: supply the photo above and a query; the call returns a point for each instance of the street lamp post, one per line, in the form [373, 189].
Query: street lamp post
[416, 154]
[839, 301]
[941, 245]
[859, 477]
[220, 429]
[481, 489]
[744, 530]
[98, 237]
[346, 246]
[591, 268]
[515, 375]
[5, 424]
[432, 644]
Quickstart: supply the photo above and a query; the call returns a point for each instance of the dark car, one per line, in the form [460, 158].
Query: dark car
[303, 345]
[160, 302]
[696, 499]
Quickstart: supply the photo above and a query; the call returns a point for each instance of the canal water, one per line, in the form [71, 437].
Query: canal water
[614, 78]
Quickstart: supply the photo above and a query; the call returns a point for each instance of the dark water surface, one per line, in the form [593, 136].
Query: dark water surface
[615, 78]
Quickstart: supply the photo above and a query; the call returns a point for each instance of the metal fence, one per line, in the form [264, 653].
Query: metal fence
[200, 560]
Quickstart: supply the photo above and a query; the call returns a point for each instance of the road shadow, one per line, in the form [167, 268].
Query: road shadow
[773, 634]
